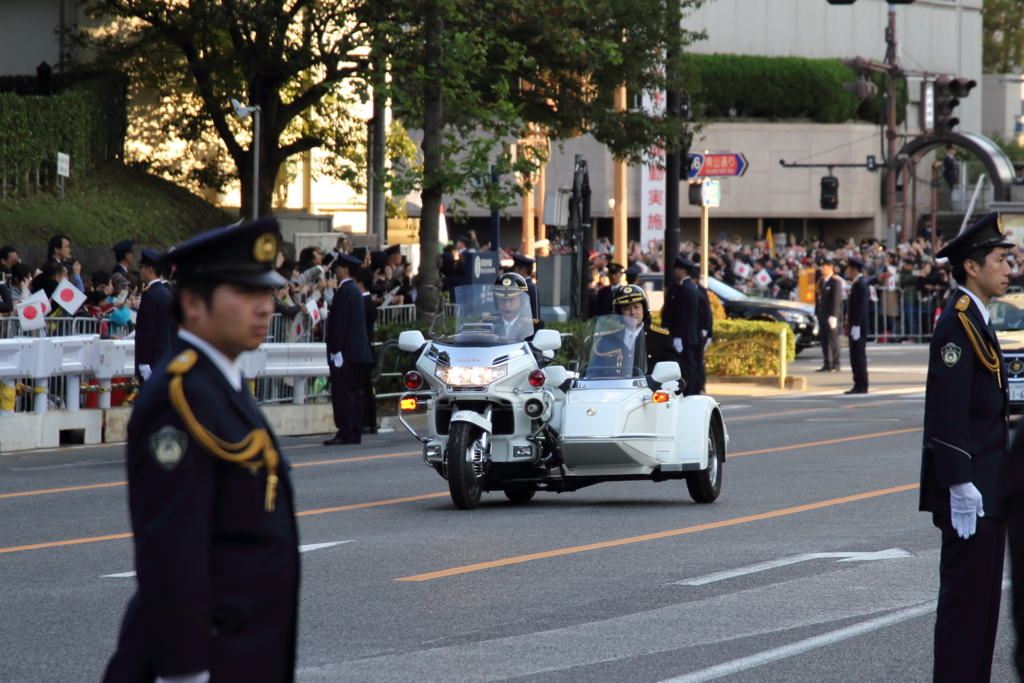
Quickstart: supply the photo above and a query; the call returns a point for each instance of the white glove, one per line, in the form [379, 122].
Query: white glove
[707, 343]
[336, 359]
[855, 333]
[677, 344]
[201, 677]
[703, 333]
[965, 504]
[832, 321]
[145, 371]
[671, 387]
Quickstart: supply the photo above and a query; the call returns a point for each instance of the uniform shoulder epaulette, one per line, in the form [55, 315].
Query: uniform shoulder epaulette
[659, 330]
[183, 362]
[963, 303]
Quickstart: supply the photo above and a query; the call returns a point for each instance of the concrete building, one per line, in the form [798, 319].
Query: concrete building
[934, 37]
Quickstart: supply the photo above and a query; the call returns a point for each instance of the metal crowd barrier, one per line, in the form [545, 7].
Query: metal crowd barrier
[10, 327]
[406, 313]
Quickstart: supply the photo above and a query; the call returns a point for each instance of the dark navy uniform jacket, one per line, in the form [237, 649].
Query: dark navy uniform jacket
[830, 299]
[155, 329]
[603, 304]
[706, 319]
[346, 325]
[681, 313]
[531, 289]
[857, 307]
[658, 346]
[218, 575]
[966, 415]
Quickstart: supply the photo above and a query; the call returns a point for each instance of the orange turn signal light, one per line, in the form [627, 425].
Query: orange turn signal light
[661, 397]
[408, 404]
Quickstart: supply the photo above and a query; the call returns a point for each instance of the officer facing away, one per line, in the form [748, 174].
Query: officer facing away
[965, 438]
[210, 499]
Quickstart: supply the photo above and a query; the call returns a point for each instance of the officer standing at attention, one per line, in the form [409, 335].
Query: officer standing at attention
[607, 294]
[681, 316]
[155, 328]
[210, 499]
[706, 324]
[828, 307]
[524, 265]
[966, 423]
[124, 255]
[348, 353]
[857, 312]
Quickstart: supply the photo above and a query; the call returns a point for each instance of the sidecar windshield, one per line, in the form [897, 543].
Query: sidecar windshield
[485, 315]
[613, 347]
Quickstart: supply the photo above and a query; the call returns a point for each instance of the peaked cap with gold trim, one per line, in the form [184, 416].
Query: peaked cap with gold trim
[245, 254]
[987, 232]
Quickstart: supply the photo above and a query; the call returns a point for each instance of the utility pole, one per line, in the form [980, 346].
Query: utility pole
[672, 152]
[891, 72]
[621, 217]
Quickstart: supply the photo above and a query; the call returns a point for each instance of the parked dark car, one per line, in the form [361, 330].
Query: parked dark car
[799, 316]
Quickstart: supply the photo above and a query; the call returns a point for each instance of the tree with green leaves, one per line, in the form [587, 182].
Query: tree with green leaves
[1003, 36]
[291, 58]
[475, 74]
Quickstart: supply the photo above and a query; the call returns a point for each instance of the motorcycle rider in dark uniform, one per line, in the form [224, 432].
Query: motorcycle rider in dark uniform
[857, 314]
[513, 322]
[209, 494]
[828, 307]
[966, 427]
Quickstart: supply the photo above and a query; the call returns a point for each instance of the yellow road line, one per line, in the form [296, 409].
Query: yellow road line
[370, 505]
[650, 537]
[825, 443]
[362, 457]
[73, 541]
[70, 488]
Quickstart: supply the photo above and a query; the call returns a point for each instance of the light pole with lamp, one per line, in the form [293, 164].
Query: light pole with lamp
[243, 113]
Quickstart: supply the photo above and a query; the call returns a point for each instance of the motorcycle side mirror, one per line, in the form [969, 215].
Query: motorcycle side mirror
[411, 341]
[666, 371]
[547, 340]
[555, 375]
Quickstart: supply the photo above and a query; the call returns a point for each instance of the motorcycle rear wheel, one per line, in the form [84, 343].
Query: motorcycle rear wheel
[463, 483]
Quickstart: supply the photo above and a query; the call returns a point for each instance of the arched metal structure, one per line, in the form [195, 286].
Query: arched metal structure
[997, 164]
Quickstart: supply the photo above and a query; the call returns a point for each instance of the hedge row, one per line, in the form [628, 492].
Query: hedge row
[88, 121]
[785, 88]
[740, 348]
[747, 348]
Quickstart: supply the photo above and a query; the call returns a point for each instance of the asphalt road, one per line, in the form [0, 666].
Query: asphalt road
[784, 578]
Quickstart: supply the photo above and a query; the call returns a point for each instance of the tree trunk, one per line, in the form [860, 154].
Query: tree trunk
[433, 139]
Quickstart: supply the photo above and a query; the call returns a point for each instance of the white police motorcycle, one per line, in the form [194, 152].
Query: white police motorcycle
[497, 421]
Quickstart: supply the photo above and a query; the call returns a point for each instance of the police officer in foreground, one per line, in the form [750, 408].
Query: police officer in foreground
[966, 422]
[512, 301]
[857, 313]
[211, 502]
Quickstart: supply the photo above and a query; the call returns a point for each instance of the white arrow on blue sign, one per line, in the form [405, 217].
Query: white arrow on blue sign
[717, 165]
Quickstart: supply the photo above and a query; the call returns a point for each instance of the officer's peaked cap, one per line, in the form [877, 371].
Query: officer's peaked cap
[243, 253]
[988, 232]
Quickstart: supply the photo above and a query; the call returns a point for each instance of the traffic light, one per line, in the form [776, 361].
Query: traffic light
[695, 196]
[830, 193]
[946, 98]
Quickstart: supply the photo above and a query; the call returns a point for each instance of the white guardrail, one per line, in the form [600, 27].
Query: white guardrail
[84, 356]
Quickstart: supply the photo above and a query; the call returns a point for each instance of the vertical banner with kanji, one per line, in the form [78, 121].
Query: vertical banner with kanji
[652, 183]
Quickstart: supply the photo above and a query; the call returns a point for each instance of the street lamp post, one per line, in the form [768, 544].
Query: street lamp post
[243, 113]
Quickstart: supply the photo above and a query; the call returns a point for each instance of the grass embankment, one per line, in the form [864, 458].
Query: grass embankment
[107, 205]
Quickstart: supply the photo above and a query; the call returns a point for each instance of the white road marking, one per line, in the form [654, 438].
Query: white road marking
[733, 406]
[853, 419]
[302, 549]
[801, 646]
[890, 554]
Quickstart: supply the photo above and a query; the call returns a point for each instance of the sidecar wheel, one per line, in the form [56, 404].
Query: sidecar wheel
[463, 483]
[706, 485]
[520, 494]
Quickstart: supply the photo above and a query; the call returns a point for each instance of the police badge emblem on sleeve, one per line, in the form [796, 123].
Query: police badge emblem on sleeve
[167, 446]
[950, 354]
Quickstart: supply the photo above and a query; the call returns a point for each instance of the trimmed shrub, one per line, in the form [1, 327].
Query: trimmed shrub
[748, 86]
[747, 348]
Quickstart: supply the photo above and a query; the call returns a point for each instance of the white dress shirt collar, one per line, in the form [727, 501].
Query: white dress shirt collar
[229, 368]
[981, 307]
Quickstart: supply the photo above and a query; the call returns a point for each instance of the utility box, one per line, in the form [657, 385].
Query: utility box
[293, 224]
[554, 280]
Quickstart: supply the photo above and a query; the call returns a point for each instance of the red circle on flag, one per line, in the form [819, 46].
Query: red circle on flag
[30, 312]
[67, 296]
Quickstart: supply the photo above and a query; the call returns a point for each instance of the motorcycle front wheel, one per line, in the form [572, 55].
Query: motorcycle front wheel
[463, 483]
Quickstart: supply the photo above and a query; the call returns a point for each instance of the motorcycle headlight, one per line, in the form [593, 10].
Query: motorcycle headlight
[470, 377]
[794, 317]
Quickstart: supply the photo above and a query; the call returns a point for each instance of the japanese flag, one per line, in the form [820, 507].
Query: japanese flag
[741, 269]
[68, 297]
[763, 279]
[32, 311]
[313, 310]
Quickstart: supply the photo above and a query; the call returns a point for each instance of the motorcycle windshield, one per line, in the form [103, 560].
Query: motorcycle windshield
[485, 315]
[613, 347]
